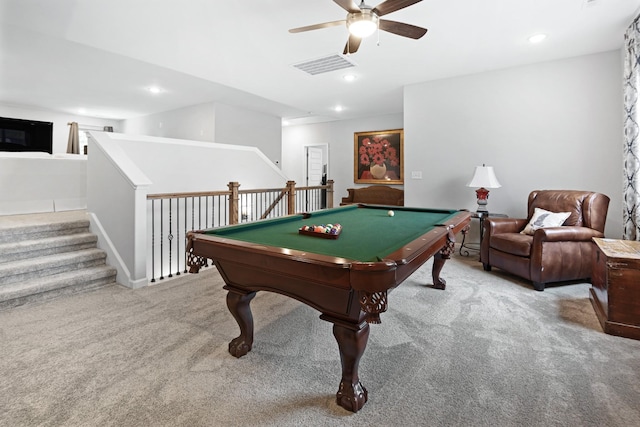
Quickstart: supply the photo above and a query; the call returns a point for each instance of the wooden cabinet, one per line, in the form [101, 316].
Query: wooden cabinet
[615, 290]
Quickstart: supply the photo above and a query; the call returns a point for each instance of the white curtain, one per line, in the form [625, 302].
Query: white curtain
[73, 146]
[631, 149]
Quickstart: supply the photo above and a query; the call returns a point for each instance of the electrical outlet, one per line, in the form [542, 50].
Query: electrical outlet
[416, 174]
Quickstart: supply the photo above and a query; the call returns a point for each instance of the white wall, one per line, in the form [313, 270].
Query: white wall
[41, 182]
[213, 122]
[116, 200]
[175, 165]
[59, 120]
[554, 125]
[339, 137]
[196, 123]
[245, 127]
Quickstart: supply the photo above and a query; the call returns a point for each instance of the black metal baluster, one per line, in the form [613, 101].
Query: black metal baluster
[170, 236]
[185, 233]
[178, 236]
[161, 239]
[219, 206]
[206, 212]
[243, 210]
[226, 211]
[214, 208]
[153, 241]
[206, 262]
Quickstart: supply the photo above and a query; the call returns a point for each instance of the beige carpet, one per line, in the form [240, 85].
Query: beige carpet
[487, 351]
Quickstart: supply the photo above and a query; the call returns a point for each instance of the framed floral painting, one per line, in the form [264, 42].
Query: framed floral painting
[379, 157]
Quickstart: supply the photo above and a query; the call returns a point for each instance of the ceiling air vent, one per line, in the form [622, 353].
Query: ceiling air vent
[324, 65]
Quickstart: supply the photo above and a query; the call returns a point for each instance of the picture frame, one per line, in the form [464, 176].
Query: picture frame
[379, 157]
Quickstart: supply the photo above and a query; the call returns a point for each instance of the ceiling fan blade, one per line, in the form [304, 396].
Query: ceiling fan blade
[348, 5]
[318, 26]
[352, 45]
[389, 6]
[402, 29]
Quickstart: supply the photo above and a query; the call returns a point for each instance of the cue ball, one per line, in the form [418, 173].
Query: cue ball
[390, 213]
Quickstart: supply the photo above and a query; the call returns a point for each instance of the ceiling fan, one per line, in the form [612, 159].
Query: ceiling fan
[362, 21]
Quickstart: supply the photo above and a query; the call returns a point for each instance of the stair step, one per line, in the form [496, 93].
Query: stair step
[50, 254]
[48, 265]
[16, 233]
[44, 288]
[32, 249]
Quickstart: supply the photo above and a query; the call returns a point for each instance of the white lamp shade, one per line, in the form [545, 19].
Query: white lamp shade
[484, 177]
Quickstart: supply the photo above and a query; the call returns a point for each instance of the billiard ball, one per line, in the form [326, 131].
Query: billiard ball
[390, 213]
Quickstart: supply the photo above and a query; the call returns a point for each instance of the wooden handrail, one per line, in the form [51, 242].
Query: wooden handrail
[189, 194]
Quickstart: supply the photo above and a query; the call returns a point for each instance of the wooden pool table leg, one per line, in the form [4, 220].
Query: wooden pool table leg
[438, 263]
[351, 342]
[439, 260]
[238, 304]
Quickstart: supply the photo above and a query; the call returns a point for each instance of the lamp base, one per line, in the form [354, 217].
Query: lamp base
[483, 196]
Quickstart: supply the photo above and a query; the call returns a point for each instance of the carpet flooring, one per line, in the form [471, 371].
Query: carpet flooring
[487, 351]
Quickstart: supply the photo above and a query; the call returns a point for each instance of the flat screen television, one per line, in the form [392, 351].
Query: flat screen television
[25, 135]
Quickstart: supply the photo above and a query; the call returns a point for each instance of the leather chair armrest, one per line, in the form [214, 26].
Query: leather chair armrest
[503, 225]
[497, 225]
[565, 233]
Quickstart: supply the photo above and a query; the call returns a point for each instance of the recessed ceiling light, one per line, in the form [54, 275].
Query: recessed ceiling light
[349, 77]
[81, 111]
[537, 38]
[155, 89]
[338, 108]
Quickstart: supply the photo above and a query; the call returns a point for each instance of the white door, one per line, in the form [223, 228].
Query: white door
[314, 166]
[314, 199]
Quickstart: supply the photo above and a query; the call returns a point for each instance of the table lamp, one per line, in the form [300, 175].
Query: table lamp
[483, 177]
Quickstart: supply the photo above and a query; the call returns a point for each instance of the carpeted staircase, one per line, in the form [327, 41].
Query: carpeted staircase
[46, 255]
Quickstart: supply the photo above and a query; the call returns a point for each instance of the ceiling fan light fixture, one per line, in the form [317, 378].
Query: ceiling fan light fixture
[362, 24]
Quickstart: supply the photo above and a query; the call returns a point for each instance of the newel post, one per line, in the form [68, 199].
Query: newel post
[329, 200]
[291, 190]
[233, 202]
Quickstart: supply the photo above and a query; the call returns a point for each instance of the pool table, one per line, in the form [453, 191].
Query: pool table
[347, 278]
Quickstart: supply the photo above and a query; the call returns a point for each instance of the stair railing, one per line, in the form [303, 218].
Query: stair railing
[172, 215]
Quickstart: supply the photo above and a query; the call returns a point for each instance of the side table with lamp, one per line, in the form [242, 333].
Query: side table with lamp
[483, 177]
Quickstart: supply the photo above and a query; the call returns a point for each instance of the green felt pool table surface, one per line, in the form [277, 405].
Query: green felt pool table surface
[368, 234]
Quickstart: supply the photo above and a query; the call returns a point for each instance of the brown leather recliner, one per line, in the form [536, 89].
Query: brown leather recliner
[552, 254]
